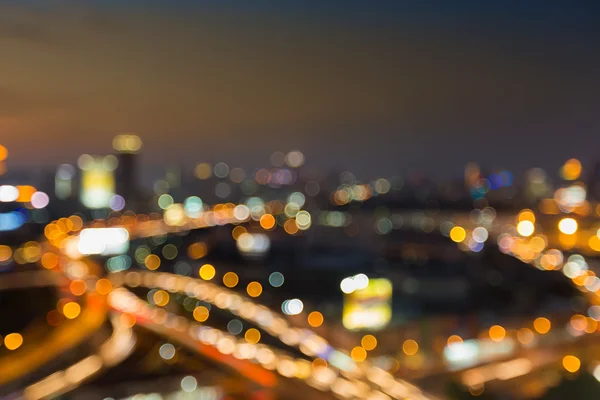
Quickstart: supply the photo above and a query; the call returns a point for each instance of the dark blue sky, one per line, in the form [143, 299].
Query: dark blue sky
[377, 87]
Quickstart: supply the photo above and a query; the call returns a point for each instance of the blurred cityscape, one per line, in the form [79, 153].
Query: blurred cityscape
[287, 281]
[299, 200]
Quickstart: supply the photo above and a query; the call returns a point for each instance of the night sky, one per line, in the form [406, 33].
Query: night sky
[378, 87]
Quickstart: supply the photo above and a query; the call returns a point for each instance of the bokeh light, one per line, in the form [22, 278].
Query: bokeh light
[230, 279]
[315, 319]
[201, 313]
[369, 342]
[252, 336]
[525, 228]
[152, 262]
[497, 333]
[13, 341]
[458, 234]
[568, 226]
[410, 347]
[71, 310]
[254, 289]
[542, 325]
[207, 272]
[358, 354]
[571, 363]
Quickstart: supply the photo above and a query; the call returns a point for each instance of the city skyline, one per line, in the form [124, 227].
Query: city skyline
[325, 200]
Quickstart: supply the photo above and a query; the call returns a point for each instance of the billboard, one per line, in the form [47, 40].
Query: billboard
[369, 307]
[104, 241]
[97, 180]
[474, 351]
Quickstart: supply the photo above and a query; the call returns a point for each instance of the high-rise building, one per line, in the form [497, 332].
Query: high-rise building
[594, 183]
[127, 147]
[64, 182]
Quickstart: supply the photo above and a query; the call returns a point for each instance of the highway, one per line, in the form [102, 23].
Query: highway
[348, 382]
[282, 373]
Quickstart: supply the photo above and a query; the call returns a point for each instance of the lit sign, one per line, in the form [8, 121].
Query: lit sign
[97, 180]
[253, 244]
[472, 352]
[369, 307]
[104, 241]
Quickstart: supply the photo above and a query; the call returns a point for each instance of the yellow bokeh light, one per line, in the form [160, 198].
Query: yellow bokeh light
[3, 153]
[103, 286]
[525, 335]
[201, 314]
[76, 222]
[594, 243]
[25, 193]
[152, 262]
[410, 347]
[32, 251]
[77, 287]
[267, 221]
[174, 215]
[127, 143]
[49, 260]
[526, 215]
[64, 224]
[161, 298]
[579, 322]
[207, 272]
[254, 289]
[542, 325]
[568, 226]
[454, 339]
[497, 333]
[571, 170]
[315, 319]
[525, 228]
[13, 341]
[230, 279]
[238, 231]
[203, 171]
[71, 310]
[358, 354]
[571, 363]
[197, 250]
[252, 336]
[458, 234]
[592, 325]
[369, 342]
[537, 244]
[5, 253]
[290, 227]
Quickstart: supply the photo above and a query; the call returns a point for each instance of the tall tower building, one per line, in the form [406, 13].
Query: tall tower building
[594, 182]
[64, 182]
[127, 147]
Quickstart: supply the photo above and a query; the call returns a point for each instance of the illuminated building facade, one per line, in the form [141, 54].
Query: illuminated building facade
[97, 180]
